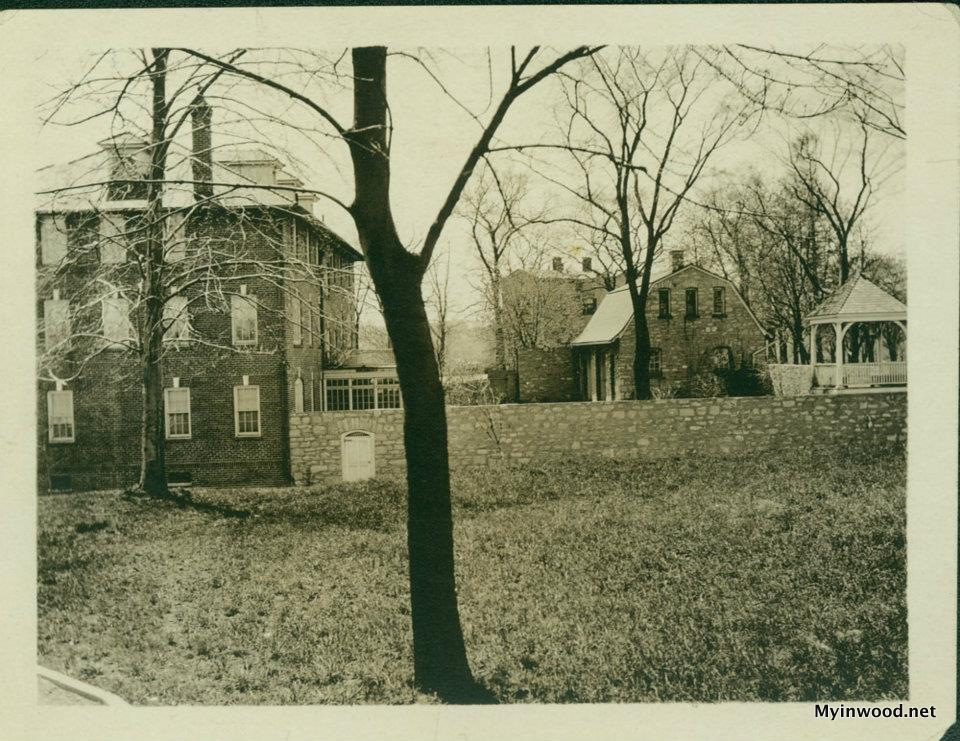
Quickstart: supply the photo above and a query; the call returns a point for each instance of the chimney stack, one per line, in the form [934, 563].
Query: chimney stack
[676, 260]
[558, 264]
[202, 154]
[587, 265]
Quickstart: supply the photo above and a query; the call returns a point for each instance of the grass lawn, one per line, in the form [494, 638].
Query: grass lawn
[765, 577]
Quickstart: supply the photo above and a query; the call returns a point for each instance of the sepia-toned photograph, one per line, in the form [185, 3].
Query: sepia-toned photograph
[491, 374]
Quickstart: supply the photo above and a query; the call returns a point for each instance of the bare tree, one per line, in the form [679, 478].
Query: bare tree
[440, 661]
[438, 301]
[640, 130]
[541, 309]
[803, 84]
[134, 276]
[494, 208]
[822, 182]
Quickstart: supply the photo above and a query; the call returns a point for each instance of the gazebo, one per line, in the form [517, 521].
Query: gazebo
[873, 354]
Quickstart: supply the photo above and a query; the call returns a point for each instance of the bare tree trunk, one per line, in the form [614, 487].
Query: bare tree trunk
[153, 476]
[440, 658]
[499, 337]
[844, 261]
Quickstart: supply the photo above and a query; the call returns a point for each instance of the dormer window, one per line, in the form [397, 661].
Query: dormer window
[129, 163]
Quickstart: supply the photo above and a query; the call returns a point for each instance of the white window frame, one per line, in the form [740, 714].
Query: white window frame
[237, 300]
[52, 421]
[656, 369]
[296, 321]
[113, 243]
[179, 328]
[125, 326]
[166, 413]
[345, 385]
[175, 237]
[53, 239]
[237, 410]
[298, 399]
[722, 294]
[63, 333]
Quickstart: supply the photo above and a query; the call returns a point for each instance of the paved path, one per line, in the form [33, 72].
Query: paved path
[54, 688]
[50, 694]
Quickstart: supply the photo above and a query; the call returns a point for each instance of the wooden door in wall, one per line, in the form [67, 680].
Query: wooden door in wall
[357, 456]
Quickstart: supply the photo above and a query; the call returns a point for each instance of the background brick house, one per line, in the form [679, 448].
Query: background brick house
[248, 346]
[697, 320]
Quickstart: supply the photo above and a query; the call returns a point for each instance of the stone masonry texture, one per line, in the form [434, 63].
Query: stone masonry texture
[546, 374]
[522, 433]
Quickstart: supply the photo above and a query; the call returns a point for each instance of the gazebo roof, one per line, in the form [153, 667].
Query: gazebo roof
[858, 300]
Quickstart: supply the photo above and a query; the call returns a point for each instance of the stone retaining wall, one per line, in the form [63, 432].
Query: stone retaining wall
[521, 433]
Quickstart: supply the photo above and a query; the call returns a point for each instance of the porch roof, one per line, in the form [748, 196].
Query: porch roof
[611, 318]
[858, 300]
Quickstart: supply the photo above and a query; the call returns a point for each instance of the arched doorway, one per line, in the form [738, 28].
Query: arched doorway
[357, 455]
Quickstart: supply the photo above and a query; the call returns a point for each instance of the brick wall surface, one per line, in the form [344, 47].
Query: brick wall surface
[107, 395]
[106, 451]
[524, 432]
[545, 375]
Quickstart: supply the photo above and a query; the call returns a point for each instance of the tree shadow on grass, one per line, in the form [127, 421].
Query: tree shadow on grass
[183, 499]
[472, 693]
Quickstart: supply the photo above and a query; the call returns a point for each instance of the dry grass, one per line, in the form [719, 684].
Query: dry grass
[750, 578]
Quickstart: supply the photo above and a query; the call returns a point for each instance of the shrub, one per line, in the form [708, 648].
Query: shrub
[462, 393]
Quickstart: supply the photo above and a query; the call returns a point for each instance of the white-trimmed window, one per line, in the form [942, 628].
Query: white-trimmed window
[176, 405]
[719, 301]
[60, 416]
[296, 320]
[656, 362]
[175, 237]
[113, 239]
[243, 313]
[177, 319]
[53, 239]
[307, 313]
[246, 405]
[361, 393]
[298, 396]
[115, 316]
[56, 321]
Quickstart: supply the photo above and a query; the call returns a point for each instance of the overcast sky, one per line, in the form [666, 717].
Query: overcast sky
[432, 136]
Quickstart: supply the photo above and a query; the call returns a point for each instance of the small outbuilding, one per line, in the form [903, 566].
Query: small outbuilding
[858, 338]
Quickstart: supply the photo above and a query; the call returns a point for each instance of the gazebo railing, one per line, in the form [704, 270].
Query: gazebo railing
[862, 374]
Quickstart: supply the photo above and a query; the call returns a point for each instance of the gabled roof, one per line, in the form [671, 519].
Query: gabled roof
[616, 310]
[609, 320]
[858, 298]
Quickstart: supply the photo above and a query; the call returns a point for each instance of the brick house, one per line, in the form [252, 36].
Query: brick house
[244, 347]
[696, 319]
[556, 305]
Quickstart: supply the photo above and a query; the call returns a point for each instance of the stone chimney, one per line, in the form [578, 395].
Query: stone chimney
[558, 264]
[676, 260]
[587, 265]
[202, 152]
[306, 200]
